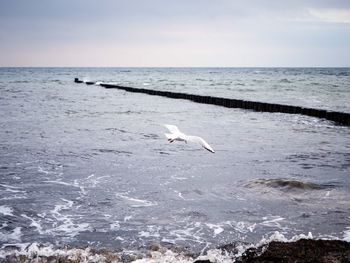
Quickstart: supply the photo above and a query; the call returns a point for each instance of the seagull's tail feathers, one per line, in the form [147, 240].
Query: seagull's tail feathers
[209, 149]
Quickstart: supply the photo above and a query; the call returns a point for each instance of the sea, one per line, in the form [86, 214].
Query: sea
[84, 169]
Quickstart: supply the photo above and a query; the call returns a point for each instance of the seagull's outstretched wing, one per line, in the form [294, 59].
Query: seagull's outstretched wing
[201, 141]
[172, 128]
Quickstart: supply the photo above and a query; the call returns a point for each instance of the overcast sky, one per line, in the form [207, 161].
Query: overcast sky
[156, 33]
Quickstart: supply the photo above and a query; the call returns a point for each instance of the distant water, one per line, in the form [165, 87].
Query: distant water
[324, 88]
[84, 166]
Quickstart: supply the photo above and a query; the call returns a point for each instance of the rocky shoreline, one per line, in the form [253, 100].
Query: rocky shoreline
[301, 251]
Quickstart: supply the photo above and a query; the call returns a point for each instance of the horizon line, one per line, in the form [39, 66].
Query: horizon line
[175, 67]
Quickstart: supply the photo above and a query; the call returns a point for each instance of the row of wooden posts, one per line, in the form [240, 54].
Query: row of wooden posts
[338, 117]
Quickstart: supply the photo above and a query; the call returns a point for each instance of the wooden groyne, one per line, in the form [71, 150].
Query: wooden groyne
[342, 118]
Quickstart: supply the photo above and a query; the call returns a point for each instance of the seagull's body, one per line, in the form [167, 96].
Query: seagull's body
[177, 135]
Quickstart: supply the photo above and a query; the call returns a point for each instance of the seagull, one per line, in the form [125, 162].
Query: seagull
[176, 135]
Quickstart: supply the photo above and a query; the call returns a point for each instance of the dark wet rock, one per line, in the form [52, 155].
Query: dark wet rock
[302, 251]
[203, 261]
[232, 248]
[155, 247]
[284, 184]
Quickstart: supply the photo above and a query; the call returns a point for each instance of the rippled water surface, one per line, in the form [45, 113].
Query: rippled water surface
[86, 166]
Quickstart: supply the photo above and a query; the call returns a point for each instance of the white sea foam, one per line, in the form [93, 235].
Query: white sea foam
[166, 256]
[240, 227]
[65, 222]
[58, 208]
[71, 229]
[191, 232]
[180, 195]
[127, 218]
[12, 189]
[217, 255]
[62, 183]
[216, 228]
[243, 227]
[151, 231]
[277, 236]
[272, 221]
[115, 225]
[346, 235]
[161, 255]
[197, 231]
[35, 251]
[14, 197]
[134, 202]
[13, 192]
[6, 210]
[15, 235]
[90, 176]
[82, 188]
[41, 170]
[35, 224]
[93, 181]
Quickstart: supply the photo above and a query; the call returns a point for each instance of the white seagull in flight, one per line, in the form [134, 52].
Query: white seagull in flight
[176, 135]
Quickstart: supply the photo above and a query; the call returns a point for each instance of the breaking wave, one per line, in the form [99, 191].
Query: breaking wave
[155, 253]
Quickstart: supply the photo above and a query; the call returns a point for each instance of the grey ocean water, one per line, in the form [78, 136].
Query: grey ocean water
[86, 166]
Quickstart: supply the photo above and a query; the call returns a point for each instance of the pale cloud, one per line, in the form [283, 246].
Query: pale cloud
[330, 15]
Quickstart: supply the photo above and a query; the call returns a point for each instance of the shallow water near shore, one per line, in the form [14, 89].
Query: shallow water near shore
[84, 166]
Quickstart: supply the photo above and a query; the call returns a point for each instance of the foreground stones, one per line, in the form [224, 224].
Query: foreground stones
[301, 251]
